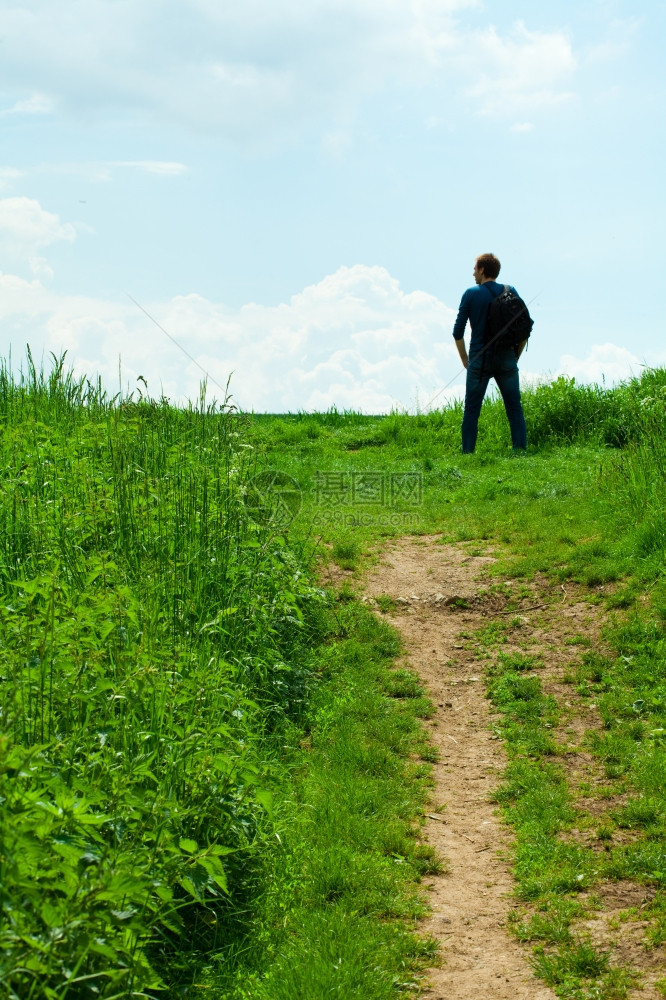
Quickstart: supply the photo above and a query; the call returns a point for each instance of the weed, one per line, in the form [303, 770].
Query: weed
[491, 634]
[581, 960]
[385, 603]
[519, 662]
[346, 553]
[430, 753]
[577, 640]
[551, 924]
[643, 811]
[580, 970]
[605, 831]
[403, 684]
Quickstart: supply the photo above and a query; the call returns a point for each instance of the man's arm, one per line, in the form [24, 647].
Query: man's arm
[460, 344]
[459, 327]
[519, 348]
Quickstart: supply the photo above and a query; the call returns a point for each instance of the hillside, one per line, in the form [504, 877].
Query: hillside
[215, 774]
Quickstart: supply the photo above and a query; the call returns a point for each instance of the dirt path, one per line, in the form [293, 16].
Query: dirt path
[471, 901]
[439, 594]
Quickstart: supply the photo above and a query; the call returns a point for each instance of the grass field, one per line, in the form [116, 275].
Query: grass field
[208, 785]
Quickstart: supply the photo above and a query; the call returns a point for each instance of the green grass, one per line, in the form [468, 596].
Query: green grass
[203, 756]
[210, 774]
[154, 641]
[341, 893]
[572, 507]
[346, 553]
[581, 971]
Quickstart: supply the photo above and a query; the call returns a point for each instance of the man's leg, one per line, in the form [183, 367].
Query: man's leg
[508, 381]
[475, 390]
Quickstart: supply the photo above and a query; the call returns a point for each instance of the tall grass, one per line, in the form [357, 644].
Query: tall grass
[639, 476]
[156, 645]
[150, 641]
[558, 412]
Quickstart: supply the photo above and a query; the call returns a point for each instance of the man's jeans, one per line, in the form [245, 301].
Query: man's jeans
[503, 367]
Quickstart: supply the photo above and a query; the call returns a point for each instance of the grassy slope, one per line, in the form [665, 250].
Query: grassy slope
[321, 747]
[573, 510]
[340, 898]
[205, 771]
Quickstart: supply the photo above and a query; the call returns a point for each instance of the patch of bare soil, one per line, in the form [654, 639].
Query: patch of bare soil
[439, 592]
[470, 903]
[619, 922]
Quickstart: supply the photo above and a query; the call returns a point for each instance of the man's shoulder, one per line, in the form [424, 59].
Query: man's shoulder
[474, 292]
[487, 287]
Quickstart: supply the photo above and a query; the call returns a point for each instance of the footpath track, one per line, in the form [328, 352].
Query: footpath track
[439, 594]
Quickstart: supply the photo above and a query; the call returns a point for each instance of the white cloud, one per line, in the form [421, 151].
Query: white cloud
[354, 339]
[525, 70]
[36, 104]
[26, 227]
[9, 174]
[41, 269]
[603, 363]
[258, 71]
[212, 64]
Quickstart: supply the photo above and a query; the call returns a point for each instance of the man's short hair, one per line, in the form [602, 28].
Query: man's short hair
[489, 264]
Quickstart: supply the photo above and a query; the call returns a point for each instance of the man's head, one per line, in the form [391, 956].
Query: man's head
[486, 268]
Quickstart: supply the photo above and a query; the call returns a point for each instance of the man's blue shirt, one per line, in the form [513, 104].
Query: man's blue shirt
[474, 307]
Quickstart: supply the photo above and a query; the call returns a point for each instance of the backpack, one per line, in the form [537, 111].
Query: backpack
[508, 322]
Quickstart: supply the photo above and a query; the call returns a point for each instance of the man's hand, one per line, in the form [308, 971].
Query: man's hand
[519, 348]
[460, 344]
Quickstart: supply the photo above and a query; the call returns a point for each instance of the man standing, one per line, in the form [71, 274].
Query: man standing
[486, 362]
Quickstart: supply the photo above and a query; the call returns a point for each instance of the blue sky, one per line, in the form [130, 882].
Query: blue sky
[297, 191]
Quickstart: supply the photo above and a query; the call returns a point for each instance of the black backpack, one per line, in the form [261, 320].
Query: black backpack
[508, 322]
